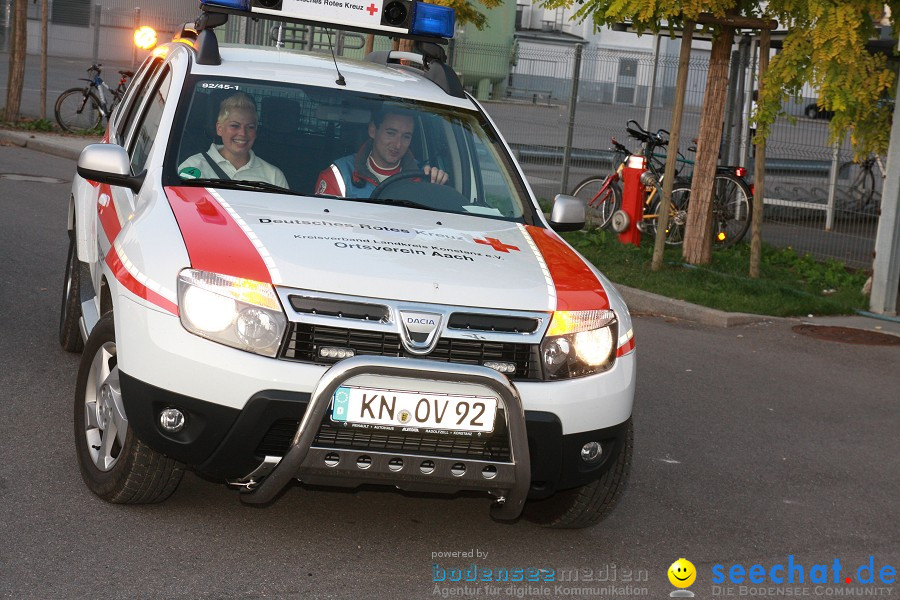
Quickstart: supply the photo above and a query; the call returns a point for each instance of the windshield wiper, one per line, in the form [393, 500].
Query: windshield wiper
[239, 184]
[399, 202]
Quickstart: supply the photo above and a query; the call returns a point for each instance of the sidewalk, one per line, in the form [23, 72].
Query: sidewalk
[639, 301]
[64, 146]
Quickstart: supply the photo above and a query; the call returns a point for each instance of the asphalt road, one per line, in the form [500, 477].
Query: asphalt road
[752, 444]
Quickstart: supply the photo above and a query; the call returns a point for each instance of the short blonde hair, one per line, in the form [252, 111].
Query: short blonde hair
[237, 101]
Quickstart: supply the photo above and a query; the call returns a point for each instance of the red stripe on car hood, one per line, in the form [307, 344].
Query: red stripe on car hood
[577, 288]
[214, 240]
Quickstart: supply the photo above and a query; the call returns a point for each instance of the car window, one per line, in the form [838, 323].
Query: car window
[302, 130]
[137, 89]
[147, 128]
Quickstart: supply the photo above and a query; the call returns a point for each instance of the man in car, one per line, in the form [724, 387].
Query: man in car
[386, 153]
[234, 159]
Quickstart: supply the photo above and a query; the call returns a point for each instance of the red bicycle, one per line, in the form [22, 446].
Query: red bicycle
[602, 196]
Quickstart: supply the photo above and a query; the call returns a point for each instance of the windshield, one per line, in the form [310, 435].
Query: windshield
[344, 145]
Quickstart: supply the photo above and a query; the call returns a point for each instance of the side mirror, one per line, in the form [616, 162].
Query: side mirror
[567, 213]
[109, 163]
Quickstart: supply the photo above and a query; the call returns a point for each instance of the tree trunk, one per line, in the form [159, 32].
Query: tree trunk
[698, 231]
[17, 50]
[665, 203]
[759, 171]
[44, 13]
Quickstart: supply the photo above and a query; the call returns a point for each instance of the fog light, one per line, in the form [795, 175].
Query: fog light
[332, 352]
[172, 420]
[503, 367]
[591, 453]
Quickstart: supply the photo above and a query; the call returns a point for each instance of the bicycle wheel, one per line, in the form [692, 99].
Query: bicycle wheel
[732, 210]
[601, 199]
[862, 184]
[77, 111]
[677, 217]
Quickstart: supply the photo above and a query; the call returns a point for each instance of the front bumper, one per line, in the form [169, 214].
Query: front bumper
[528, 457]
[508, 481]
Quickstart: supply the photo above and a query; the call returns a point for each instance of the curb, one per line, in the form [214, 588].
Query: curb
[639, 301]
[48, 143]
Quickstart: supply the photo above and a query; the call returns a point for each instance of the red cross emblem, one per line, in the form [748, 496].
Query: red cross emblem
[496, 244]
[372, 9]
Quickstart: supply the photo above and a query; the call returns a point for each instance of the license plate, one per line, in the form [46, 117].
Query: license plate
[413, 409]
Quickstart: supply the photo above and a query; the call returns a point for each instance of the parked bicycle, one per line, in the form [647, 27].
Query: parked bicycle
[82, 109]
[731, 200]
[862, 176]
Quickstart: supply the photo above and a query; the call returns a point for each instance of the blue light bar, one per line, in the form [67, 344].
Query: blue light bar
[235, 4]
[433, 20]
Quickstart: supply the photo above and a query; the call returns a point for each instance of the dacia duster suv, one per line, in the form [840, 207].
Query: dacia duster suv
[430, 336]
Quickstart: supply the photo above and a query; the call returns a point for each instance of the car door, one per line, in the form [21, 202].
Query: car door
[116, 204]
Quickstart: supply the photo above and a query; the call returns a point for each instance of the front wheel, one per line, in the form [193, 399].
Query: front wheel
[114, 464]
[78, 111]
[589, 504]
[602, 196]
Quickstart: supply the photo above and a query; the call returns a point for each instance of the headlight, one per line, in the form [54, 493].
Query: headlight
[579, 343]
[236, 312]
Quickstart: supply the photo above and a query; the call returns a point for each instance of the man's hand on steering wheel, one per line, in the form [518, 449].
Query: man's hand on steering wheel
[437, 175]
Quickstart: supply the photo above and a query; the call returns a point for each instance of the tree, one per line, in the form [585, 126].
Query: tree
[17, 48]
[825, 46]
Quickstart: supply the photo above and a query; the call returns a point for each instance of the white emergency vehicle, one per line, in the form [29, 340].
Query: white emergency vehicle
[423, 332]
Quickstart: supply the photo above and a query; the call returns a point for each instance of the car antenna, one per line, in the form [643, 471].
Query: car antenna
[340, 80]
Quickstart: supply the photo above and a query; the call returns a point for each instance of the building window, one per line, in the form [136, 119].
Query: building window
[71, 12]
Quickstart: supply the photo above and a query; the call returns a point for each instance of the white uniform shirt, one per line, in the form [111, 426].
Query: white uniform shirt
[256, 168]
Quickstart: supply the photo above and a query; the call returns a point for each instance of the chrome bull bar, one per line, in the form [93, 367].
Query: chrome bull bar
[509, 481]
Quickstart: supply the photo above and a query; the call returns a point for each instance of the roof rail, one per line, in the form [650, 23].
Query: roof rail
[431, 61]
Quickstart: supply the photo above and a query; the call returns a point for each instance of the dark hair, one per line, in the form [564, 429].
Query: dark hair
[391, 109]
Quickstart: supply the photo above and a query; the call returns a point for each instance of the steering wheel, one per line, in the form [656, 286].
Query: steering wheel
[401, 176]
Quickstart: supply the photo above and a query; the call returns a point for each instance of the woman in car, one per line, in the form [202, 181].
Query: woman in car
[234, 159]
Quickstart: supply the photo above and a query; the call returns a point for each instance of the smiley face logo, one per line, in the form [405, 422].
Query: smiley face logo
[682, 573]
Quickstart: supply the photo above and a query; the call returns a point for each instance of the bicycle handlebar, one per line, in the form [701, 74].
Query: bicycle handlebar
[639, 133]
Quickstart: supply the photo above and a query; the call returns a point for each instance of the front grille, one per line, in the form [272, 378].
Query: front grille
[305, 339]
[495, 447]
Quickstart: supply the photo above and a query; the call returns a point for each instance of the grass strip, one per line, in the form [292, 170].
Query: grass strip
[789, 285]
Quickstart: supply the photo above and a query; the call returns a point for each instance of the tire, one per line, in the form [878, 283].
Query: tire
[599, 210]
[114, 464]
[732, 210]
[76, 113]
[589, 504]
[812, 111]
[675, 225]
[70, 308]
